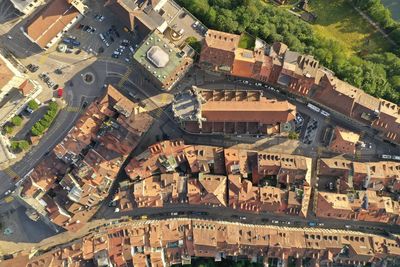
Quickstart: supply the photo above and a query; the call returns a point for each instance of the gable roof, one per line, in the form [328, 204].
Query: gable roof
[51, 20]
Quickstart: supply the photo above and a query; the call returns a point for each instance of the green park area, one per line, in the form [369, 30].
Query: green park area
[339, 21]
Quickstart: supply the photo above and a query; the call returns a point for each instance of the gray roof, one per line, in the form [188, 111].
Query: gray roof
[157, 56]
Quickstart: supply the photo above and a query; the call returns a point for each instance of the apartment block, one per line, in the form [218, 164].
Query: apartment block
[248, 180]
[181, 241]
[360, 205]
[299, 74]
[69, 185]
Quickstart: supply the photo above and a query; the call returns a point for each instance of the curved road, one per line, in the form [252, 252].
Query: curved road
[74, 96]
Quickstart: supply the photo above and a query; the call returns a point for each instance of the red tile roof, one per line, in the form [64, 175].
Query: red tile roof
[50, 21]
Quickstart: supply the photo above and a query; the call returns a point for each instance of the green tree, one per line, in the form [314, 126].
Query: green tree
[16, 120]
[14, 146]
[293, 135]
[53, 105]
[8, 129]
[194, 43]
[33, 105]
[35, 132]
[23, 144]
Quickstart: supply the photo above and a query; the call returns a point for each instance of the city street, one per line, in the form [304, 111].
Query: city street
[131, 82]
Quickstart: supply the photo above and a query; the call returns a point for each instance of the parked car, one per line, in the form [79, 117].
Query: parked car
[60, 92]
[312, 224]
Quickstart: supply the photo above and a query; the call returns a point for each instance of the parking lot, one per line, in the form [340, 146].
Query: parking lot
[101, 34]
[182, 22]
[7, 11]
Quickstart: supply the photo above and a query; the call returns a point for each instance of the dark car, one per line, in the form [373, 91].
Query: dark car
[77, 52]
[85, 28]
[111, 39]
[84, 104]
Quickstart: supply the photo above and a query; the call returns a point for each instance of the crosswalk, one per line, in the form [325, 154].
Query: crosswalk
[9, 199]
[11, 173]
[43, 58]
[125, 77]
[72, 109]
[156, 113]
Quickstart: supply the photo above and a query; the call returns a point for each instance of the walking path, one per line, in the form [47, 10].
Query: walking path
[375, 25]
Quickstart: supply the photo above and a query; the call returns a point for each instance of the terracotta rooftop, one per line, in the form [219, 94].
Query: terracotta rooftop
[5, 74]
[49, 21]
[222, 40]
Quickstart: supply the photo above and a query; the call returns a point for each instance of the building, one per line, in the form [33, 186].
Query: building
[301, 75]
[179, 241]
[69, 185]
[47, 26]
[284, 168]
[208, 189]
[215, 176]
[16, 90]
[162, 61]
[230, 111]
[380, 114]
[27, 7]
[361, 205]
[344, 141]
[381, 176]
[141, 16]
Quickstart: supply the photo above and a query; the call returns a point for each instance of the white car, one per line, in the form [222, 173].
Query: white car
[127, 59]
[258, 84]
[195, 24]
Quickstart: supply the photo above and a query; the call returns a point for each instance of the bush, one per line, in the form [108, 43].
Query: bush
[35, 132]
[17, 120]
[19, 145]
[8, 129]
[293, 135]
[194, 43]
[41, 126]
[53, 106]
[33, 105]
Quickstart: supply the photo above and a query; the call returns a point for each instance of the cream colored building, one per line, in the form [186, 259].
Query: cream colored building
[27, 6]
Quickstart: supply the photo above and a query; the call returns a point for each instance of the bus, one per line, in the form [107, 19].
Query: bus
[315, 108]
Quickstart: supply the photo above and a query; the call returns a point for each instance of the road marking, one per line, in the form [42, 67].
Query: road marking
[10, 172]
[43, 58]
[72, 109]
[125, 77]
[156, 113]
[164, 99]
[9, 199]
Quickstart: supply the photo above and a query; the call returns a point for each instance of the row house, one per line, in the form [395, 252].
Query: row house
[361, 205]
[301, 75]
[178, 241]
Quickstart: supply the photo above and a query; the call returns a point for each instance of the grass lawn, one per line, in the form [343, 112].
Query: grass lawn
[339, 21]
[394, 7]
[247, 41]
